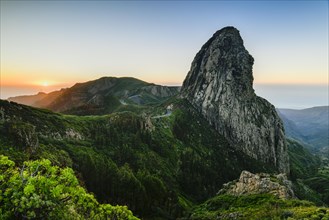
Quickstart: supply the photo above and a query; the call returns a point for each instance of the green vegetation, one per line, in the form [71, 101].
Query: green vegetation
[258, 206]
[303, 164]
[320, 183]
[310, 182]
[107, 95]
[39, 190]
[158, 167]
[309, 174]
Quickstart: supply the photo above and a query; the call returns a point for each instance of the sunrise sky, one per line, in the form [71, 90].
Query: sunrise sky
[46, 45]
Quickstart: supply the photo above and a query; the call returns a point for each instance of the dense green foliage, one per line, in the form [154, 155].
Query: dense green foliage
[257, 206]
[309, 173]
[303, 163]
[39, 190]
[320, 183]
[158, 167]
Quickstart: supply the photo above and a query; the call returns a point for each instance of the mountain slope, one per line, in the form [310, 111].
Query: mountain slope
[28, 99]
[40, 100]
[308, 125]
[154, 165]
[101, 96]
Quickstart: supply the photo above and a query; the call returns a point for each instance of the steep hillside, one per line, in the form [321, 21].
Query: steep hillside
[303, 163]
[158, 166]
[309, 174]
[308, 125]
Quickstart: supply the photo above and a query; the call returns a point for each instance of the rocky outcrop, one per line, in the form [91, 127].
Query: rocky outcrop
[249, 183]
[161, 91]
[220, 86]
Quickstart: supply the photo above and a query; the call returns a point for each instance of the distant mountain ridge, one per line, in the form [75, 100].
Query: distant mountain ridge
[40, 100]
[310, 126]
[28, 99]
[101, 96]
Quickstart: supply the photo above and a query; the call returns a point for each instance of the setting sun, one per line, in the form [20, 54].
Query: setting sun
[45, 84]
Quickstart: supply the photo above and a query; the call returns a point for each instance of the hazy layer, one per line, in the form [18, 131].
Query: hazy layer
[282, 96]
[294, 96]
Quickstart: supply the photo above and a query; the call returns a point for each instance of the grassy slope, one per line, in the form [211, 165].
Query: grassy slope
[258, 206]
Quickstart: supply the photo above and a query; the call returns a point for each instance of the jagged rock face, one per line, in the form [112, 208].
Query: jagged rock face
[219, 85]
[250, 183]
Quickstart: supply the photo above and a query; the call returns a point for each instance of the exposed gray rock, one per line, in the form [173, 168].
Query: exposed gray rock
[161, 91]
[220, 85]
[69, 134]
[72, 134]
[249, 183]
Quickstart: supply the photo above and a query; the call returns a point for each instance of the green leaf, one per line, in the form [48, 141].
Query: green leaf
[29, 189]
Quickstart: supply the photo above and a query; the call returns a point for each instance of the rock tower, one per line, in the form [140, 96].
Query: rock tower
[220, 86]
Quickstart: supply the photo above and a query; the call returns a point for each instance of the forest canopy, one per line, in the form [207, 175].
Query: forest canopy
[40, 190]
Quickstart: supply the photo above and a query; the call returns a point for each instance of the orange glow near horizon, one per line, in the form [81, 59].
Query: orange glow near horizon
[18, 76]
[26, 80]
[45, 84]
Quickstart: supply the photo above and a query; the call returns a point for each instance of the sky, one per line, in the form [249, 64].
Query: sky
[47, 45]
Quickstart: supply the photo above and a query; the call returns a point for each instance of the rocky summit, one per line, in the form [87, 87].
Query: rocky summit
[220, 86]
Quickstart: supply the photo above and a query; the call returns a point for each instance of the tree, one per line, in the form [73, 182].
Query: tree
[40, 190]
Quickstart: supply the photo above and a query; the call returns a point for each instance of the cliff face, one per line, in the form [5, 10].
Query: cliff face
[220, 85]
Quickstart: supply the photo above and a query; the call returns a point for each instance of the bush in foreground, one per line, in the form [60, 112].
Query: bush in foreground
[40, 190]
